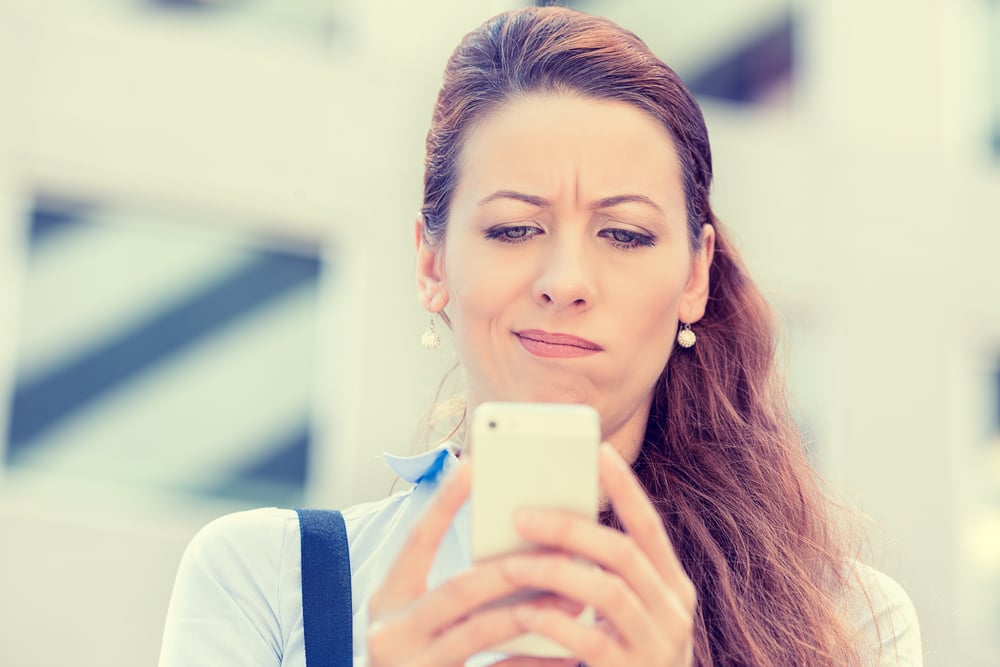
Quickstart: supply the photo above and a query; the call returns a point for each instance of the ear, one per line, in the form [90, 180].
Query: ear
[431, 289]
[695, 295]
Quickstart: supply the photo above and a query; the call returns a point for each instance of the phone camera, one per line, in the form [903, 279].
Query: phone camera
[492, 425]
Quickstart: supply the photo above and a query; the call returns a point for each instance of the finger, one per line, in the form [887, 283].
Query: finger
[473, 634]
[644, 557]
[610, 595]
[480, 632]
[461, 596]
[642, 522]
[539, 662]
[407, 577]
[608, 548]
[586, 642]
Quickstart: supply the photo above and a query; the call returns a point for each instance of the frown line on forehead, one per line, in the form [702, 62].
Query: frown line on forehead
[541, 202]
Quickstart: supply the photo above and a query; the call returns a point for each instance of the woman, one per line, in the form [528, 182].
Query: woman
[566, 237]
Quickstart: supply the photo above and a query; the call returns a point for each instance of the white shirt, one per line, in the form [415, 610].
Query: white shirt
[238, 595]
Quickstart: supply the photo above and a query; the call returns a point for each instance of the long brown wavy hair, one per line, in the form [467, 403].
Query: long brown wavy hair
[722, 460]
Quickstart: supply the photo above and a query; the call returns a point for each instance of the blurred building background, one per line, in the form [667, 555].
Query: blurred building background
[207, 301]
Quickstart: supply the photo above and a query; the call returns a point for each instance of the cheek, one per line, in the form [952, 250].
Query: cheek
[467, 288]
[479, 294]
[655, 330]
[649, 319]
[654, 334]
[479, 282]
[652, 303]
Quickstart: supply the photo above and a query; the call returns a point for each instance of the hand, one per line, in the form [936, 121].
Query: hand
[413, 627]
[642, 594]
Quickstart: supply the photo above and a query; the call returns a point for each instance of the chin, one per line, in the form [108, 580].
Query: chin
[538, 391]
[557, 395]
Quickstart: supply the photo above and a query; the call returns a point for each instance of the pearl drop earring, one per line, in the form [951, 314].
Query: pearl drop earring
[430, 339]
[686, 337]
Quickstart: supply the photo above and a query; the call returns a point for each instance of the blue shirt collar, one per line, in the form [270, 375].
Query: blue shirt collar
[429, 466]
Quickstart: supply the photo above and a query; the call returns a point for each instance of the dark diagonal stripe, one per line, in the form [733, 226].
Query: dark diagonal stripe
[40, 404]
[745, 71]
[276, 477]
[285, 461]
[47, 223]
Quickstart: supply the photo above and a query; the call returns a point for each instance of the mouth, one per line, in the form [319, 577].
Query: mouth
[545, 344]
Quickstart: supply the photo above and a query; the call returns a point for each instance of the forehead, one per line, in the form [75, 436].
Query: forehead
[546, 140]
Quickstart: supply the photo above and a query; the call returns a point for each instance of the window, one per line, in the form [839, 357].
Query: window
[164, 352]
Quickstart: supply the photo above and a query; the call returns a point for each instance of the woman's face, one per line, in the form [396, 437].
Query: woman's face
[566, 264]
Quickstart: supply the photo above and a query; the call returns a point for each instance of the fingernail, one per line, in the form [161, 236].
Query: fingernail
[571, 607]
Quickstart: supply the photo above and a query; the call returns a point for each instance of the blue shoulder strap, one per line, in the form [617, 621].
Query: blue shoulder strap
[327, 616]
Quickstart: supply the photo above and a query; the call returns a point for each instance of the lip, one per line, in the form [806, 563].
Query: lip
[545, 344]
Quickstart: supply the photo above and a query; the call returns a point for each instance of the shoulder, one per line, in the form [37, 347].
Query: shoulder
[887, 621]
[237, 598]
[247, 559]
[232, 601]
[259, 535]
[267, 539]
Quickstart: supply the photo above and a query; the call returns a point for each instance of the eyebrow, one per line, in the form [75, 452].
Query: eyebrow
[513, 194]
[607, 202]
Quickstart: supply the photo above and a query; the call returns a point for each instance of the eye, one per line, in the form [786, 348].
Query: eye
[513, 233]
[627, 239]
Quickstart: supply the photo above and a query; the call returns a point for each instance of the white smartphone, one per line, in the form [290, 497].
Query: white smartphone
[533, 455]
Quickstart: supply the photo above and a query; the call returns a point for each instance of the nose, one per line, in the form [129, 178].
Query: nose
[566, 277]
